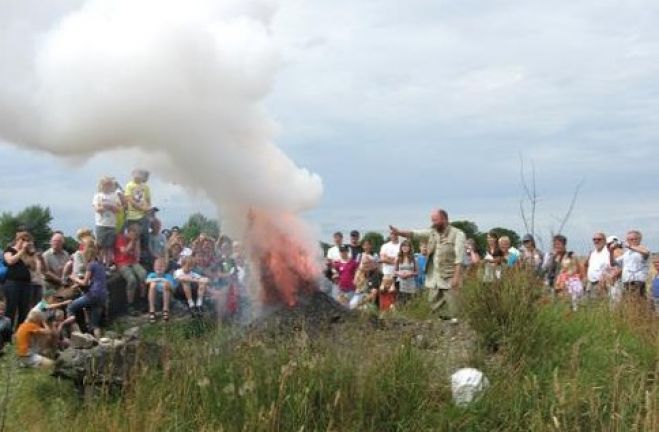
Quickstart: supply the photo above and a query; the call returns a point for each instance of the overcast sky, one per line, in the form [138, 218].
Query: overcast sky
[404, 106]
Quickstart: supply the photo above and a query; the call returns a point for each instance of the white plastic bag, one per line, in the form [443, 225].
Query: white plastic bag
[467, 384]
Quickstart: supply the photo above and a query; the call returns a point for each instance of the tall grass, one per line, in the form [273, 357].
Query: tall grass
[550, 369]
[555, 369]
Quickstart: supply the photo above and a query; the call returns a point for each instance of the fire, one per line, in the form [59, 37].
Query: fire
[287, 262]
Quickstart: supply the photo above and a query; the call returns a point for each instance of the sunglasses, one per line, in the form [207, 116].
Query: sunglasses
[598, 239]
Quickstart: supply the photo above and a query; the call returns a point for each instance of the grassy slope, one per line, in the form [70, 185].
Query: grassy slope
[552, 370]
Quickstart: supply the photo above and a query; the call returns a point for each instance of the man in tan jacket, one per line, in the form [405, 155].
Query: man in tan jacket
[446, 250]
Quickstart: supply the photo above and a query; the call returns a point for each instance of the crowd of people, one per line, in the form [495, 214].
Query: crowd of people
[362, 278]
[158, 267]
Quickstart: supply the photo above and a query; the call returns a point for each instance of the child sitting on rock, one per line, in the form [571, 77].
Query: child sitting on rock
[161, 283]
[48, 305]
[27, 341]
[188, 280]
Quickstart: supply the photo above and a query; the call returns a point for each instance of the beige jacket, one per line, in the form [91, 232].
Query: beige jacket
[445, 251]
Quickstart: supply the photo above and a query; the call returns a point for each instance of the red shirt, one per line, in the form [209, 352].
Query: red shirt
[123, 259]
[346, 272]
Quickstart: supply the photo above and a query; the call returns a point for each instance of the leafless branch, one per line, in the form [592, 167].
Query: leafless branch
[566, 218]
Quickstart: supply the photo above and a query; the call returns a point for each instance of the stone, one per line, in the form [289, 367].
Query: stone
[111, 334]
[82, 340]
[132, 333]
[112, 363]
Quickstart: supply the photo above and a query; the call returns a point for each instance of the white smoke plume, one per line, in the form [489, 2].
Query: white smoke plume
[181, 81]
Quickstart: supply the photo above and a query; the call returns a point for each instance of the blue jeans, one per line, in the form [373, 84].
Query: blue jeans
[92, 304]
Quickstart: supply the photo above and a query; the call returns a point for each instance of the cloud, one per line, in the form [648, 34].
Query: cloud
[409, 105]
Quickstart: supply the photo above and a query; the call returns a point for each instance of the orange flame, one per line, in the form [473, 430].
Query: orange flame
[286, 259]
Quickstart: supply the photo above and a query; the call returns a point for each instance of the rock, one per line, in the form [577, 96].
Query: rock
[111, 335]
[82, 340]
[109, 363]
[421, 341]
[132, 333]
[106, 341]
[467, 385]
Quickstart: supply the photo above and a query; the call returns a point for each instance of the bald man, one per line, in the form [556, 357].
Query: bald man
[446, 250]
[55, 258]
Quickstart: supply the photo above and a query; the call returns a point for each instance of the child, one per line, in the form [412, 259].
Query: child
[387, 296]
[47, 306]
[367, 281]
[345, 268]
[569, 280]
[161, 283]
[406, 271]
[27, 341]
[655, 286]
[126, 257]
[106, 207]
[5, 326]
[187, 280]
[95, 297]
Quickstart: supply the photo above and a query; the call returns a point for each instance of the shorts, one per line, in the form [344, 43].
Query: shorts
[34, 360]
[105, 236]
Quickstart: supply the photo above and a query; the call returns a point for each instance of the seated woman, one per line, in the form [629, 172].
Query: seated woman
[95, 296]
[188, 281]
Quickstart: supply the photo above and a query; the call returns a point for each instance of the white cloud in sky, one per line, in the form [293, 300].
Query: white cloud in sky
[401, 106]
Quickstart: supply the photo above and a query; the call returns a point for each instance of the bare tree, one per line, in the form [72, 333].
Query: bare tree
[570, 209]
[530, 197]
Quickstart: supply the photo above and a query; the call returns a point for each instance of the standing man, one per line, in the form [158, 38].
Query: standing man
[597, 265]
[446, 250]
[333, 253]
[55, 259]
[355, 245]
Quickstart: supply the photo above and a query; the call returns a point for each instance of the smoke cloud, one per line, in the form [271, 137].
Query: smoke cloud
[183, 82]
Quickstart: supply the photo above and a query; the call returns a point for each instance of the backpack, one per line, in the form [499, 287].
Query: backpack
[3, 270]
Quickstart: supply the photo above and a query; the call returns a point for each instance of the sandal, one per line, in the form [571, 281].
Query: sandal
[152, 317]
[165, 315]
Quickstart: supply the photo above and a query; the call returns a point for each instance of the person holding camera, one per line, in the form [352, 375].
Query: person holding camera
[18, 286]
[635, 264]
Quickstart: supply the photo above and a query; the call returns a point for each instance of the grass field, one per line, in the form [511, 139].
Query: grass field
[550, 369]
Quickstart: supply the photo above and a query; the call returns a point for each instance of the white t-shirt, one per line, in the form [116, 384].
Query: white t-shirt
[334, 254]
[179, 273]
[106, 218]
[635, 266]
[598, 264]
[390, 250]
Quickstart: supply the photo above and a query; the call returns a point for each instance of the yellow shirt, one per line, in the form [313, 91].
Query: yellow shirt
[139, 193]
